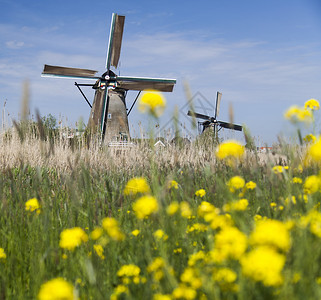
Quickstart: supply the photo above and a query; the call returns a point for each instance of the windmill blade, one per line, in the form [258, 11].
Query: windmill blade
[145, 83]
[217, 106]
[199, 116]
[56, 71]
[230, 126]
[115, 40]
[104, 114]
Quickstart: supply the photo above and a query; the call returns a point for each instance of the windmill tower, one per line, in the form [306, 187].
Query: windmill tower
[108, 112]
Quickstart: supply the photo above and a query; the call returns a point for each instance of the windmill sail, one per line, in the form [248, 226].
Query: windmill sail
[56, 71]
[115, 40]
[230, 126]
[217, 106]
[197, 115]
[145, 83]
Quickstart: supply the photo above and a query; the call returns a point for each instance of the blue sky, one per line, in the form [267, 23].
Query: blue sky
[264, 56]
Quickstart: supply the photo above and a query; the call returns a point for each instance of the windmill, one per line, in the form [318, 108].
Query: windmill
[108, 112]
[212, 122]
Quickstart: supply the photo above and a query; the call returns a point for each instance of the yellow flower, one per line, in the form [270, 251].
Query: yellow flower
[186, 211]
[57, 289]
[184, 292]
[72, 238]
[145, 206]
[32, 205]
[263, 264]
[152, 102]
[128, 271]
[96, 233]
[172, 208]
[197, 227]
[173, 185]
[196, 257]
[240, 205]
[235, 183]
[110, 225]
[309, 138]
[277, 169]
[230, 149]
[162, 297]
[314, 151]
[257, 217]
[200, 193]
[271, 233]
[312, 104]
[206, 208]
[298, 114]
[250, 185]
[230, 242]
[119, 289]
[99, 250]
[2, 254]
[135, 232]
[224, 275]
[191, 277]
[160, 234]
[156, 264]
[311, 184]
[296, 180]
[137, 185]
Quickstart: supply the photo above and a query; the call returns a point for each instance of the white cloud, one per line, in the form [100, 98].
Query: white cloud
[14, 44]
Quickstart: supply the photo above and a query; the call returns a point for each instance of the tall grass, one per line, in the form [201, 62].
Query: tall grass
[79, 186]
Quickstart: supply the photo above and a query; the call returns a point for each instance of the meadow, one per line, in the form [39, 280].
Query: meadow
[199, 221]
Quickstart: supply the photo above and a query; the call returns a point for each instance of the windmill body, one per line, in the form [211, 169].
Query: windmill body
[108, 112]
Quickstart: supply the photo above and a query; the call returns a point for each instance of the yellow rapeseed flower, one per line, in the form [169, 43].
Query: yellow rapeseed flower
[2, 254]
[314, 151]
[250, 185]
[130, 270]
[236, 183]
[186, 211]
[271, 233]
[32, 205]
[298, 114]
[57, 289]
[312, 104]
[191, 276]
[309, 138]
[137, 185]
[172, 208]
[278, 169]
[72, 238]
[135, 232]
[99, 251]
[96, 233]
[296, 180]
[224, 275]
[230, 149]
[160, 235]
[152, 102]
[111, 226]
[184, 292]
[239, 205]
[311, 184]
[264, 264]
[173, 185]
[230, 242]
[145, 206]
[200, 193]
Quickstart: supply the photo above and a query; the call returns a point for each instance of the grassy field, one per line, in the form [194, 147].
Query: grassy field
[183, 222]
